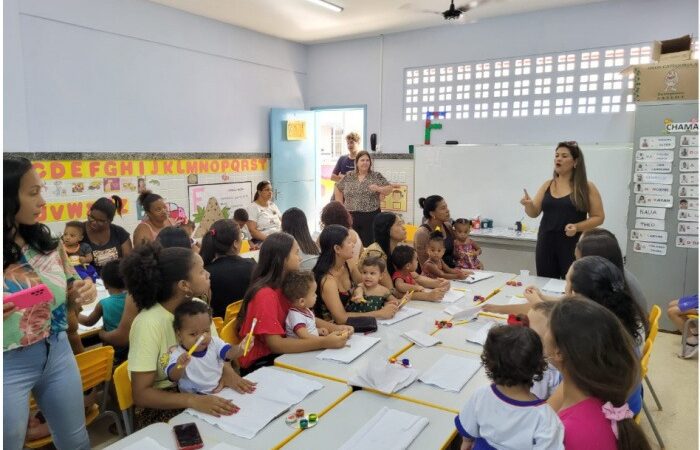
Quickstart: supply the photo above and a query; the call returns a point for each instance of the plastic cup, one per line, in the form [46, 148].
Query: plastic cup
[524, 275]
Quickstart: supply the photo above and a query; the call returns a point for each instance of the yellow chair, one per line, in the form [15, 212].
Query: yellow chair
[218, 323]
[122, 384]
[654, 316]
[95, 368]
[410, 232]
[245, 246]
[648, 346]
[228, 333]
[232, 311]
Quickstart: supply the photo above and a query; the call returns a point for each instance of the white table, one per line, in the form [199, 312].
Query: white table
[160, 432]
[422, 359]
[336, 427]
[276, 431]
[85, 331]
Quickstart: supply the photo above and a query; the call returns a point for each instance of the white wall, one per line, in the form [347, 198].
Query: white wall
[131, 75]
[348, 72]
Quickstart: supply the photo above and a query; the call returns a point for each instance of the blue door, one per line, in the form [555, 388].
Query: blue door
[294, 170]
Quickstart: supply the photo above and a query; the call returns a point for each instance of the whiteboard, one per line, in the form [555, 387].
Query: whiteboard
[488, 180]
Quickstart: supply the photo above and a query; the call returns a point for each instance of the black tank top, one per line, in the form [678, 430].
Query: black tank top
[558, 212]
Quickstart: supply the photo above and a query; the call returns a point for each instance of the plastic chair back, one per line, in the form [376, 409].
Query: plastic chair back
[232, 311]
[218, 323]
[122, 384]
[228, 333]
[410, 232]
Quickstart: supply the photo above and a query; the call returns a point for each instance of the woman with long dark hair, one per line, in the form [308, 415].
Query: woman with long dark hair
[569, 204]
[294, 223]
[336, 279]
[230, 274]
[265, 302]
[388, 233]
[37, 358]
[334, 213]
[264, 217]
[109, 242]
[436, 214]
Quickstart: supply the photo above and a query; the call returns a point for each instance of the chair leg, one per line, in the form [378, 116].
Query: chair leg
[653, 393]
[117, 422]
[127, 421]
[653, 426]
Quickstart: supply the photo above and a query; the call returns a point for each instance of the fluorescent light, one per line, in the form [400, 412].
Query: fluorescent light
[325, 4]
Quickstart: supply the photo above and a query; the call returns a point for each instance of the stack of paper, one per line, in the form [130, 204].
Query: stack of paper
[452, 296]
[479, 331]
[356, 346]
[421, 339]
[389, 429]
[463, 313]
[384, 377]
[555, 286]
[401, 314]
[275, 392]
[450, 372]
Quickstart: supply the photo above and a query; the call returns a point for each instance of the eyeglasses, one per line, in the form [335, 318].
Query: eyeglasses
[91, 218]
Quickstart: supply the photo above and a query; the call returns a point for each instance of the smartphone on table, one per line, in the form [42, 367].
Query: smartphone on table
[187, 436]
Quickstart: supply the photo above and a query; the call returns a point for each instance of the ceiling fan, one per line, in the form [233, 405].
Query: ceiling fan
[453, 12]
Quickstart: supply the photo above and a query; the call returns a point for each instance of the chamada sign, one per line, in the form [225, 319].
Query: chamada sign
[680, 127]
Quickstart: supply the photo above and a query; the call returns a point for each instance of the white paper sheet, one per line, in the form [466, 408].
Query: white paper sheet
[476, 277]
[450, 372]
[452, 296]
[225, 446]
[357, 345]
[478, 331]
[401, 314]
[384, 377]
[420, 338]
[515, 300]
[463, 313]
[146, 442]
[389, 429]
[555, 286]
[276, 391]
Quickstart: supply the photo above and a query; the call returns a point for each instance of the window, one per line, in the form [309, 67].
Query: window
[571, 82]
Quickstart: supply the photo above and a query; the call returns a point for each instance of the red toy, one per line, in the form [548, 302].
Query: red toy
[443, 324]
[514, 283]
[478, 298]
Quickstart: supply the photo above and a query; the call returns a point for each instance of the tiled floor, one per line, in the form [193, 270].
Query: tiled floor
[675, 381]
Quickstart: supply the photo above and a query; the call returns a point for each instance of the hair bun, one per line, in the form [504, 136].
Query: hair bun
[421, 202]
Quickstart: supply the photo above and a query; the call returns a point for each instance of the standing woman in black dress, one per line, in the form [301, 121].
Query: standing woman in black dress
[570, 205]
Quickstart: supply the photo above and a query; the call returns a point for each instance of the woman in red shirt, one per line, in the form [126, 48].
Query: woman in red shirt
[265, 302]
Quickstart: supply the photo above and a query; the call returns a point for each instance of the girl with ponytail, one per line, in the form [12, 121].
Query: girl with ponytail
[160, 280]
[109, 242]
[597, 360]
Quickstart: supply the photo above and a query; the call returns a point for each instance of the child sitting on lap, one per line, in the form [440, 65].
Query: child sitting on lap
[434, 266]
[300, 288]
[79, 253]
[374, 296]
[201, 372]
[406, 279]
[506, 414]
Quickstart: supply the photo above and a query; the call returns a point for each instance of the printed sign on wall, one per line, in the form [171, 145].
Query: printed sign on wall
[688, 165]
[654, 189]
[688, 152]
[658, 201]
[649, 224]
[653, 167]
[689, 139]
[686, 215]
[689, 178]
[687, 241]
[649, 235]
[651, 213]
[688, 228]
[651, 248]
[650, 155]
[657, 142]
[657, 178]
[688, 192]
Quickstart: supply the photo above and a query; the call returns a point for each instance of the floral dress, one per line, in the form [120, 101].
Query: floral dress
[465, 256]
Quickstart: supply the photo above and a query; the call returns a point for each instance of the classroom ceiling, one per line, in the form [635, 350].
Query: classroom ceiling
[305, 22]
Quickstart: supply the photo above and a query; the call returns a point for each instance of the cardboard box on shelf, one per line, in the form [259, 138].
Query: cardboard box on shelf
[665, 81]
[677, 49]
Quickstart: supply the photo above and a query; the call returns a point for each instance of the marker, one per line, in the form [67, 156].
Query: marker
[460, 322]
[193, 348]
[405, 298]
[250, 336]
[459, 289]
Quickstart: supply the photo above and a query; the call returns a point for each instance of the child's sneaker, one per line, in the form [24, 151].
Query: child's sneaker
[690, 348]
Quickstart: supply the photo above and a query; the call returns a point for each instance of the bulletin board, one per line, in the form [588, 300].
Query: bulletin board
[227, 196]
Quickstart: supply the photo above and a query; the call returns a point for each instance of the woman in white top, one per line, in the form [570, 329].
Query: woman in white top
[264, 218]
